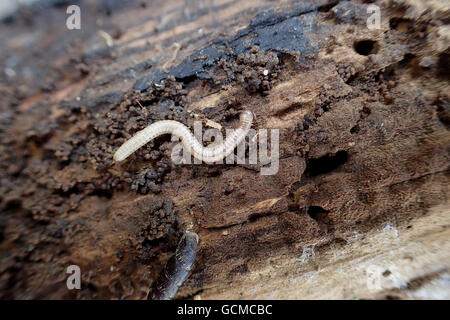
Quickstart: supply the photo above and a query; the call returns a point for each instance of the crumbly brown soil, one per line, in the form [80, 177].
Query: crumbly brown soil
[364, 146]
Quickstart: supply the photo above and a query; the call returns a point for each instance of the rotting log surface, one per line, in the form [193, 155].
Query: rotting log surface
[364, 148]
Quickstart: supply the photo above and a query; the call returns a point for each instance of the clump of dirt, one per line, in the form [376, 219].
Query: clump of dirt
[162, 219]
[254, 70]
[150, 179]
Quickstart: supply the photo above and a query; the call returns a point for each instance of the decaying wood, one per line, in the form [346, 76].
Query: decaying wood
[362, 189]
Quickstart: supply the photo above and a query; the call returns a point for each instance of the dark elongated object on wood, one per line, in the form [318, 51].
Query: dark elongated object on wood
[176, 269]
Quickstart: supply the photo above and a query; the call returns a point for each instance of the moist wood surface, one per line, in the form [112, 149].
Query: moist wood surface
[364, 148]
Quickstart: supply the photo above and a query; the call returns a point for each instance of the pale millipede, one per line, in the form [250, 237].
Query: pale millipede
[207, 154]
[176, 269]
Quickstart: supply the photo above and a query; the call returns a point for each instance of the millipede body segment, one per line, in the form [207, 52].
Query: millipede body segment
[207, 154]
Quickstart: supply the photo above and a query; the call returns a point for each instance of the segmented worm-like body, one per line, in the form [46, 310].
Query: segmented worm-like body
[208, 154]
[176, 269]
